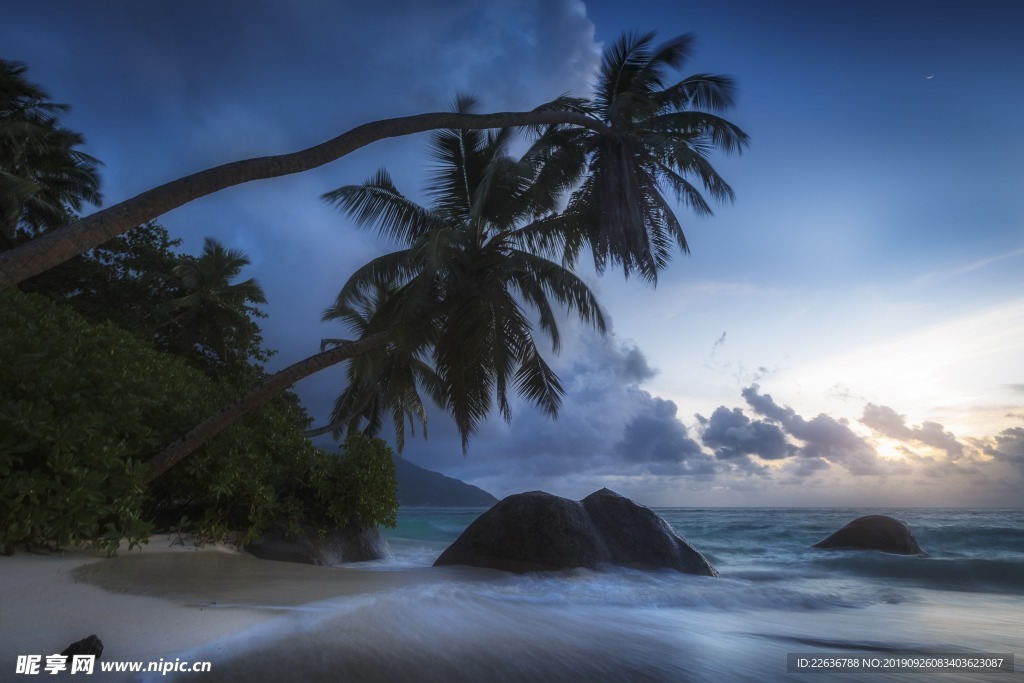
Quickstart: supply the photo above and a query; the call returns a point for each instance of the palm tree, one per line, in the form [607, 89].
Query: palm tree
[636, 136]
[464, 275]
[212, 308]
[78, 237]
[662, 134]
[379, 381]
[43, 179]
[455, 291]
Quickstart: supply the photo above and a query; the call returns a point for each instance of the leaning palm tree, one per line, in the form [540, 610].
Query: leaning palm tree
[662, 135]
[70, 240]
[44, 180]
[636, 136]
[381, 381]
[456, 293]
[636, 130]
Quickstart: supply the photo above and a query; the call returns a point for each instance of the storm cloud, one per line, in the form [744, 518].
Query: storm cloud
[1008, 446]
[731, 434]
[823, 436]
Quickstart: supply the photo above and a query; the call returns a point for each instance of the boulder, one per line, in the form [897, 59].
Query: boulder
[537, 531]
[874, 532]
[637, 537]
[353, 543]
[90, 645]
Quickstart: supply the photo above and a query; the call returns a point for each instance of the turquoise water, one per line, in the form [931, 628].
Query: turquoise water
[776, 595]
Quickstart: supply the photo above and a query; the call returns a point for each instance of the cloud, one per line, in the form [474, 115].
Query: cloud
[731, 434]
[718, 342]
[822, 436]
[888, 422]
[1008, 446]
[655, 438]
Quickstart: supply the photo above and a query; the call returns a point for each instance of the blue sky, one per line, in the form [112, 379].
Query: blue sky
[848, 332]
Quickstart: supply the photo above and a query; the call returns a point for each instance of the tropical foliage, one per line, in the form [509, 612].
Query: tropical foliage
[455, 294]
[662, 135]
[637, 131]
[380, 382]
[83, 404]
[44, 180]
[449, 313]
[212, 311]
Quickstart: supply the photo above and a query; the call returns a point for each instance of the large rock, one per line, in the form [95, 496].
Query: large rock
[636, 537]
[537, 531]
[874, 532]
[349, 544]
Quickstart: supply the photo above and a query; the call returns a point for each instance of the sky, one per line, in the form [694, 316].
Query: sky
[847, 332]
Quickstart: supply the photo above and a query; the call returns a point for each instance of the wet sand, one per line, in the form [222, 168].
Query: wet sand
[166, 599]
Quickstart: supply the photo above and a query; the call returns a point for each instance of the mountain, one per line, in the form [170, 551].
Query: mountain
[418, 487]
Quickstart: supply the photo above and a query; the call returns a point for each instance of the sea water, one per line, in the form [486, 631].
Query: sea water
[776, 596]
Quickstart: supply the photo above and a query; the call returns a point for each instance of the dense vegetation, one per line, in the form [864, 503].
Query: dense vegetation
[83, 403]
[125, 344]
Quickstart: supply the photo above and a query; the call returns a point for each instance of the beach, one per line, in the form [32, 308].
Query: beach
[167, 597]
[45, 605]
[401, 619]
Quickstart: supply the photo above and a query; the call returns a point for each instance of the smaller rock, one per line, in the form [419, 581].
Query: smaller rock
[874, 532]
[352, 543]
[90, 645]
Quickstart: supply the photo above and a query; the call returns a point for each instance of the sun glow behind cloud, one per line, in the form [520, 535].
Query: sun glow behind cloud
[942, 368]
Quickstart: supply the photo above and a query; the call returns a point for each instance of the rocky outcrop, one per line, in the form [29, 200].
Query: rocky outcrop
[349, 544]
[537, 531]
[90, 645]
[874, 532]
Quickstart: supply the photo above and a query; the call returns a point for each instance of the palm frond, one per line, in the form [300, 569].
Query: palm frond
[378, 203]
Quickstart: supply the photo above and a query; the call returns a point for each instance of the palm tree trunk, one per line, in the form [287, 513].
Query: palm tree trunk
[73, 239]
[273, 385]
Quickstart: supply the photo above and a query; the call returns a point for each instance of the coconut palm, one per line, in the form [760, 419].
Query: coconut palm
[78, 237]
[379, 381]
[44, 180]
[456, 292]
[464, 277]
[212, 308]
[662, 133]
[636, 136]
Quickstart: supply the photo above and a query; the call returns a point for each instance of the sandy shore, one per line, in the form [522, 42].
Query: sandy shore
[161, 601]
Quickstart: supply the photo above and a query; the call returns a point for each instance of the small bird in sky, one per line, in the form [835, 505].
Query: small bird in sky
[930, 77]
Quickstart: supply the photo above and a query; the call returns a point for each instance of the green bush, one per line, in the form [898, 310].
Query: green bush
[84, 405]
[327, 492]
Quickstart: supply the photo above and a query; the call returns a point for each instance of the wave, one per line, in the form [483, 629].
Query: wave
[960, 574]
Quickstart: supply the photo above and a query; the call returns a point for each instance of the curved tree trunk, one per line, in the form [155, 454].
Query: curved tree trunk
[274, 384]
[73, 239]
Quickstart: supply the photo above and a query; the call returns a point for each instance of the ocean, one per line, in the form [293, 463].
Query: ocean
[778, 600]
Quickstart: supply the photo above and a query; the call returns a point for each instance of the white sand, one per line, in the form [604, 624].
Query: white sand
[165, 599]
[44, 608]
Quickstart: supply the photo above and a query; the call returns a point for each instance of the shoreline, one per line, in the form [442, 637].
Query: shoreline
[167, 598]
